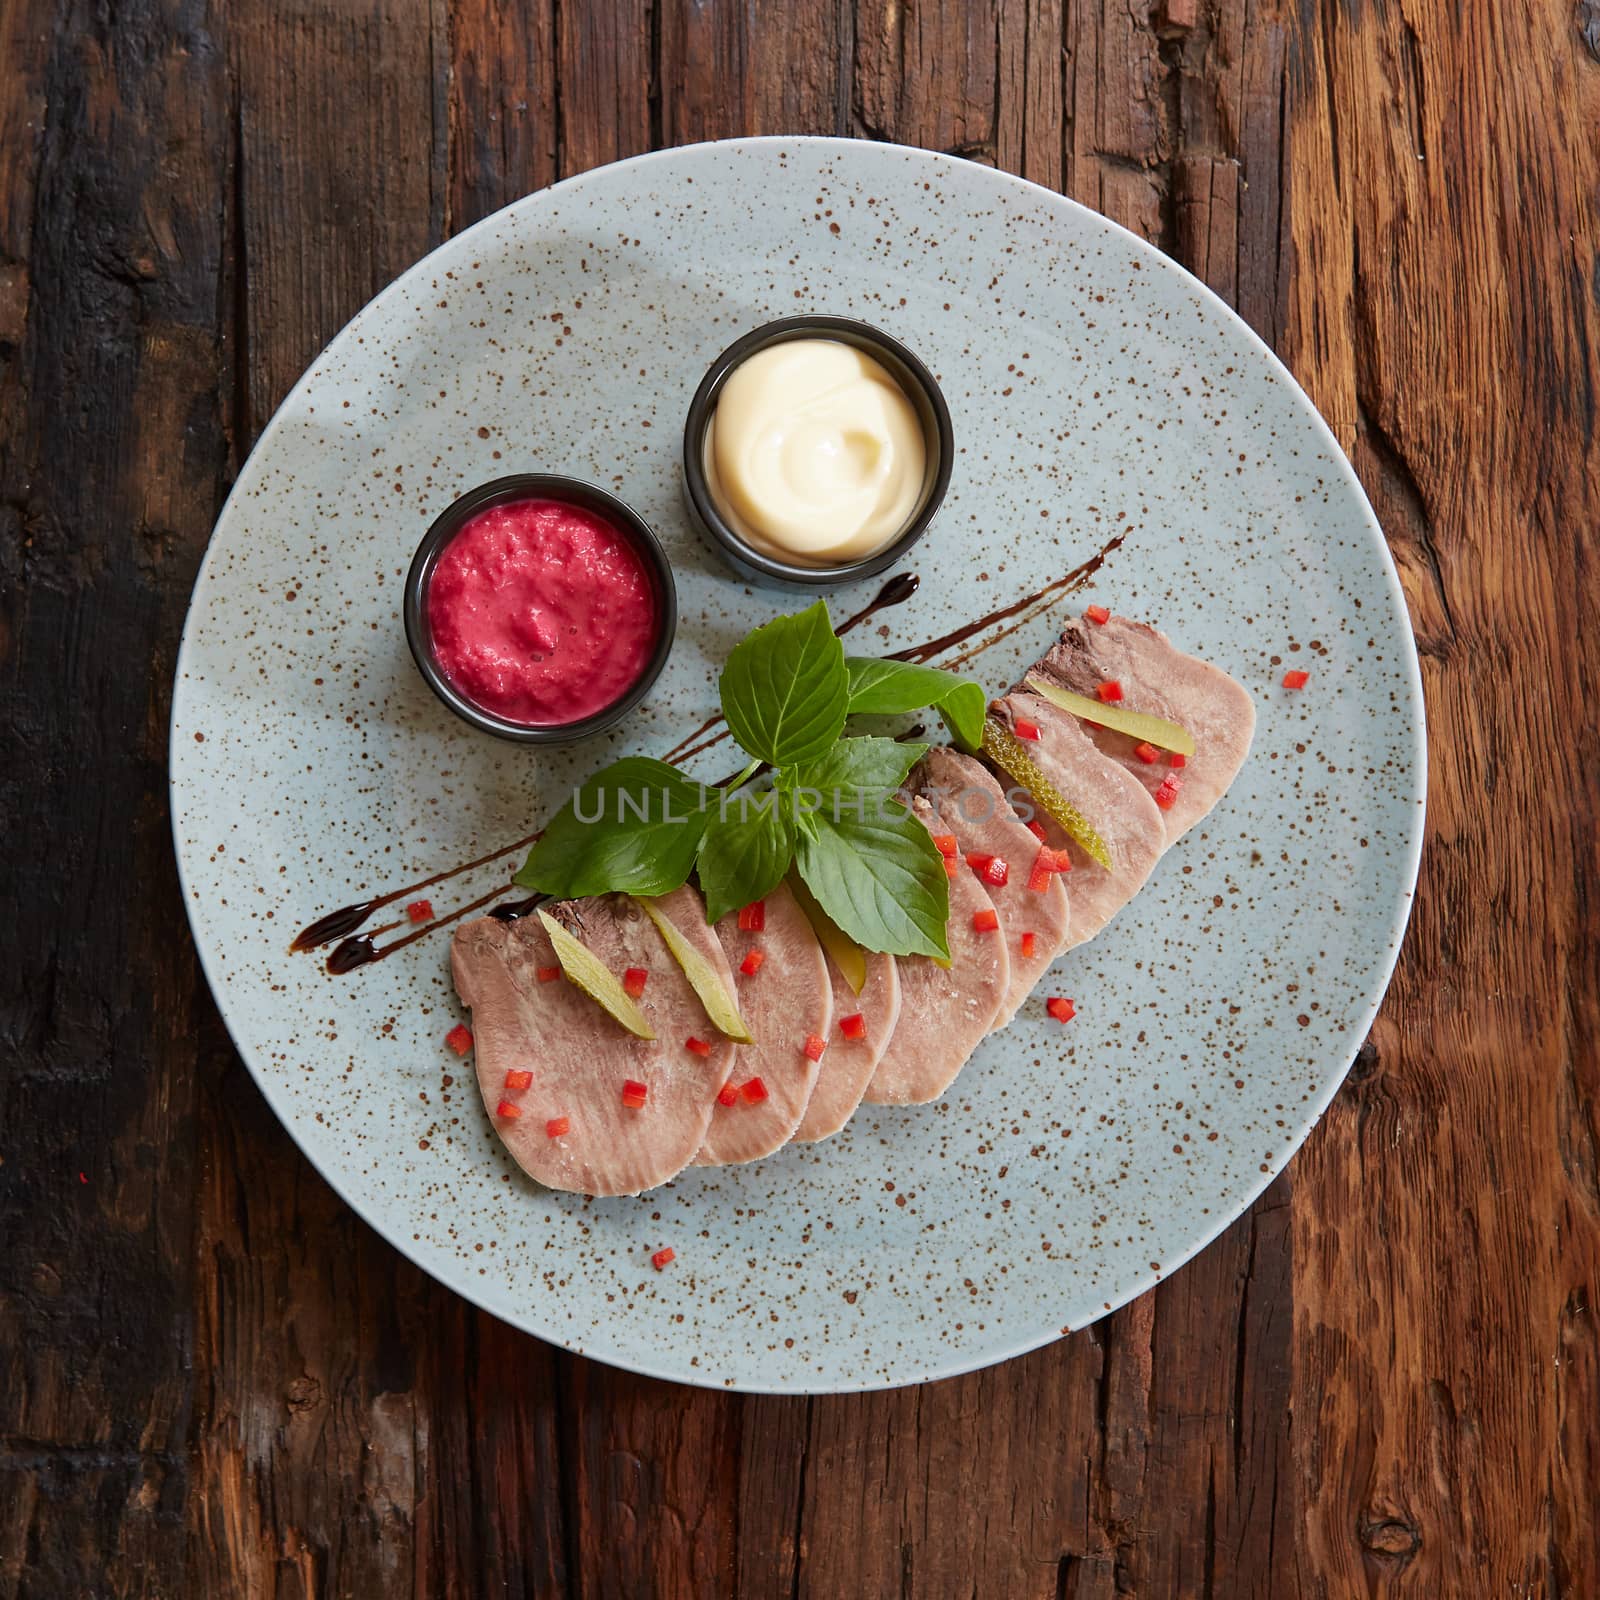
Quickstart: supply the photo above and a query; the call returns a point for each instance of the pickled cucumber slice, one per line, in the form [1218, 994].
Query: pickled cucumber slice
[703, 978]
[1136, 724]
[847, 955]
[595, 978]
[1009, 753]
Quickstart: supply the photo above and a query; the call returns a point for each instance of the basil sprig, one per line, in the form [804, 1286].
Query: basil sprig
[828, 808]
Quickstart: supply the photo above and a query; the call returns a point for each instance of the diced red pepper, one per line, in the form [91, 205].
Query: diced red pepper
[1029, 945]
[751, 964]
[420, 911]
[557, 1126]
[459, 1039]
[1177, 759]
[753, 918]
[1024, 729]
[814, 1046]
[727, 1095]
[549, 974]
[1062, 1010]
[753, 1090]
[507, 1112]
[1036, 828]
[1108, 692]
[978, 861]
[699, 1046]
[633, 982]
[518, 1080]
[633, 1093]
[997, 872]
[985, 921]
[663, 1259]
[1147, 753]
[1097, 614]
[945, 844]
[1167, 795]
[1039, 876]
[1296, 678]
[949, 865]
[853, 1027]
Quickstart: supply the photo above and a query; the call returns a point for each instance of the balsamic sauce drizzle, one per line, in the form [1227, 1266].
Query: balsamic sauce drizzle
[359, 950]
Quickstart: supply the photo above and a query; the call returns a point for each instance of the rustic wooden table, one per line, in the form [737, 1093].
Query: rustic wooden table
[1385, 1379]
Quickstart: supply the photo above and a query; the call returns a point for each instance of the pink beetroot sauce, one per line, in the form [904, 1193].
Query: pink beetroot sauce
[542, 613]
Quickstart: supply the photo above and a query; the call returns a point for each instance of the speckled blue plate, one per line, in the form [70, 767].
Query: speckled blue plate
[1096, 389]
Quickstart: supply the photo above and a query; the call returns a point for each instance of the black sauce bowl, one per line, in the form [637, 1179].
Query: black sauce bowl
[569, 491]
[920, 389]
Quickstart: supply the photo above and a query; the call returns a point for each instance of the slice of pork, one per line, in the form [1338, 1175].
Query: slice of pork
[848, 1066]
[1159, 679]
[944, 1011]
[580, 1056]
[786, 1001]
[1114, 803]
[971, 804]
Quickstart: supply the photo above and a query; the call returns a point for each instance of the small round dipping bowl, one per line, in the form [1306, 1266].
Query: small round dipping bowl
[506, 491]
[920, 388]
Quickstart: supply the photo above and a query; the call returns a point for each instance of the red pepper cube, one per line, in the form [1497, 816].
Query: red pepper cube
[751, 964]
[507, 1112]
[420, 911]
[1039, 876]
[1296, 678]
[853, 1027]
[949, 865]
[1166, 796]
[633, 982]
[1036, 828]
[1062, 1010]
[459, 1039]
[753, 918]
[549, 974]
[699, 1046]
[1147, 753]
[997, 872]
[1056, 860]
[814, 1046]
[753, 1090]
[1097, 615]
[1108, 692]
[557, 1126]
[978, 861]
[1029, 945]
[633, 1093]
[663, 1258]
[1024, 729]
[985, 921]
[945, 844]
[1177, 759]
[727, 1095]
[518, 1080]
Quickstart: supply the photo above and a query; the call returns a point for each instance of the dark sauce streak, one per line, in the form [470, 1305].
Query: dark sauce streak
[915, 731]
[333, 926]
[515, 910]
[362, 952]
[349, 955]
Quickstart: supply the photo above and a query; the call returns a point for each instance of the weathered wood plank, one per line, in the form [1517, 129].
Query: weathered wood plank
[110, 447]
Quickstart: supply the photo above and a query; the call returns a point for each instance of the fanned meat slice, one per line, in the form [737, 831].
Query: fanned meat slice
[849, 1064]
[1115, 804]
[971, 804]
[580, 1057]
[783, 1003]
[1160, 679]
[944, 1011]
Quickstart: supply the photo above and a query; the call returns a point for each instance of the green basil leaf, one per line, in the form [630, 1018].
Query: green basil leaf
[784, 688]
[634, 827]
[747, 847]
[868, 767]
[888, 688]
[882, 880]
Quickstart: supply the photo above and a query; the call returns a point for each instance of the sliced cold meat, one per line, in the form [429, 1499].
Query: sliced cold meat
[1114, 803]
[944, 1011]
[849, 1064]
[971, 804]
[1155, 677]
[580, 1057]
[786, 1001]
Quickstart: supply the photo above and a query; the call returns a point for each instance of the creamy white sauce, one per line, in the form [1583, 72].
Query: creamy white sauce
[814, 453]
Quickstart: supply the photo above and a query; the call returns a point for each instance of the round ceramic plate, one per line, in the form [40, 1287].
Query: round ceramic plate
[1097, 391]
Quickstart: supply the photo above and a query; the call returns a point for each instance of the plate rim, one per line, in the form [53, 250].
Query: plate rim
[1312, 1110]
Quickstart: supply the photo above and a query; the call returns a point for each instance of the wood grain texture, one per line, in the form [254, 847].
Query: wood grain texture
[1385, 1379]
